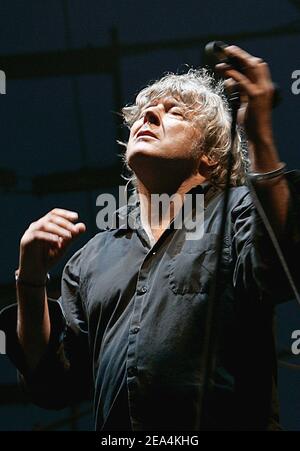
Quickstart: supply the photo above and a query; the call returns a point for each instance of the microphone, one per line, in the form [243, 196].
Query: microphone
[214, 54]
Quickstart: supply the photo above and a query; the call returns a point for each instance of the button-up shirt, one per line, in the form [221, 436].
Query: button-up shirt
[131, 321]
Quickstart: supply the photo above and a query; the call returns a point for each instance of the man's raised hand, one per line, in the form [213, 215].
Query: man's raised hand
[45, 242]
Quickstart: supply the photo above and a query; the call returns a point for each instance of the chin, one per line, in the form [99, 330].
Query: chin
[140, 154]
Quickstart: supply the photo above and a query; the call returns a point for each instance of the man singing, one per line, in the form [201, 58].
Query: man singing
[129, 325]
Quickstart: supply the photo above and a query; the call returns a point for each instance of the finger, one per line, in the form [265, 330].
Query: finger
[245, 84]
[62, 222]
[241, 79]
[247, 60]
[67, 214]
[46, 237]
[254, 68]
[263, 71]
[222, 66]
[230, 85]
[80, 227]
[50, 227]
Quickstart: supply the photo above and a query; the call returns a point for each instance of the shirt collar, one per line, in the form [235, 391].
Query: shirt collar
[130, 213]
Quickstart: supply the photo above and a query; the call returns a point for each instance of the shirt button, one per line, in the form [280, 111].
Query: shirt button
[135, 330]
[132, 371]
[142, 290]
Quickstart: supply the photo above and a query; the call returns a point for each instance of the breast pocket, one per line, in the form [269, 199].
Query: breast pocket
[192, 266]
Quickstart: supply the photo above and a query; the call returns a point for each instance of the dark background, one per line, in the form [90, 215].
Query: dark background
[70, 65]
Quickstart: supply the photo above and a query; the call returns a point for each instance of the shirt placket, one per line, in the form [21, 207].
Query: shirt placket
[142, 289]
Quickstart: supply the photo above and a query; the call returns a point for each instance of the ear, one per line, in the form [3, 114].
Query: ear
[206, 165]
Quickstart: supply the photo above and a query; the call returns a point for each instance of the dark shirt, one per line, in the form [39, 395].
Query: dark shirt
[130, 323]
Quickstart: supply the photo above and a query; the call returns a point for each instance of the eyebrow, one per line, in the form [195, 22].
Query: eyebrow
[167, 100]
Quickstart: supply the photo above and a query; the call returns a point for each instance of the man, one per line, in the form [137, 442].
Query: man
[131, 317]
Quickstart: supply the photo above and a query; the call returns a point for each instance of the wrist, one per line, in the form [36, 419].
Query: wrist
[263, 158]
[271, 175]
[32, 281]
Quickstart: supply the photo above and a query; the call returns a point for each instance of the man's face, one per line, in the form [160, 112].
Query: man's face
[163, 132]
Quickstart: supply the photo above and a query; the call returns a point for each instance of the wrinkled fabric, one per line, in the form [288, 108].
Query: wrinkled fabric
[131, 318]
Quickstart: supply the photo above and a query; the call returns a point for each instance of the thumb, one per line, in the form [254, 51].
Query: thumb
[80, 228]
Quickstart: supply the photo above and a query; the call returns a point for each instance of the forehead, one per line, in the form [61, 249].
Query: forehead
[165, 99]
[184, 95]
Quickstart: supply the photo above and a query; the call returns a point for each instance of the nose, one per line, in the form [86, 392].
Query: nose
[152, 116]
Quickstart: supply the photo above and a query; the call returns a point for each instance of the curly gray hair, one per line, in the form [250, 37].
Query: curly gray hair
[205, 100]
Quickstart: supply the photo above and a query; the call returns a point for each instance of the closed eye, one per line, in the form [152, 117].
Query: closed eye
[176, 111]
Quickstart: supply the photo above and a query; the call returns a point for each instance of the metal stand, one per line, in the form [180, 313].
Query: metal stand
[211, 326]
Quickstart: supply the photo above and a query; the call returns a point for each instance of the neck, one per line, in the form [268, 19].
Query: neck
[156, 209]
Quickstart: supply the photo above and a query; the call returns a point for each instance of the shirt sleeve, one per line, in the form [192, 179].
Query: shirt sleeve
[63, 375]
[257, 266]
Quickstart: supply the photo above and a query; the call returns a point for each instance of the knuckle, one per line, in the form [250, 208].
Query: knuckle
[42, 226]
[254, 61]
[251, 63]
[59, 221]
[32, 225]
[54, 212]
